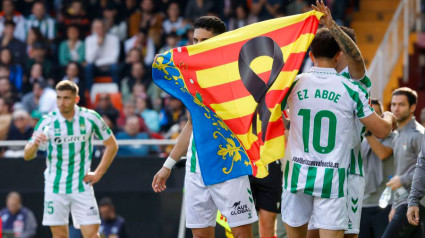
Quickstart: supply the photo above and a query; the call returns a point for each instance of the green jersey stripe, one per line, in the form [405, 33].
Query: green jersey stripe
[193, 159]
[71, 160]
[360, 162]
[286, 174]
[327, 183]
[283, 104]
[361, 88]
[352, 162]
[82, 155]
[365, 80]
[49, 155]
[355, 96]
[39, 123]
[311, 178]
[294, 179]
[341, 176]
[96, 130]
[56, 182]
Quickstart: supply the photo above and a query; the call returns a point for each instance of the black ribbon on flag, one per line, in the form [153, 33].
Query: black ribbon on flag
[256, 47]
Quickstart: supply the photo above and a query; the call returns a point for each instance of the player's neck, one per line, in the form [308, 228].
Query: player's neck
[69, 115]
[324, 63]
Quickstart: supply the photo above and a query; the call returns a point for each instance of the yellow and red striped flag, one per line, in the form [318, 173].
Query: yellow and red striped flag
[233, 85]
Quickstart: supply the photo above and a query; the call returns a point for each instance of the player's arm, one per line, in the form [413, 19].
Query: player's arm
[380, 127]
[158, 183]
[418, 189]
[111, 148]
[381, 150]
[30, 150]
[355, 61]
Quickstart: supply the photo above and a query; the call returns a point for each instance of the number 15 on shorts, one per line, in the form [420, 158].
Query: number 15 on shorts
[48, 207]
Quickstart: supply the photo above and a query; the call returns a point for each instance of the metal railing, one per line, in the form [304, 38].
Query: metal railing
[394, 45]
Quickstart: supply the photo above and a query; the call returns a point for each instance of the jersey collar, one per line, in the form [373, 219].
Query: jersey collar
[76, 115]
[321, 70]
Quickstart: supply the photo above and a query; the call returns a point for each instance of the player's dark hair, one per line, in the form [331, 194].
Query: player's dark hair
[374, 101]
[350, 32]
[412, 95]
[324, 45]
[210, 23]
[65, 85]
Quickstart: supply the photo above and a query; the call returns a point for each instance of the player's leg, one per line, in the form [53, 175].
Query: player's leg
[267, 223]
[313, 233]
[296, 232]
[267, 193]
[234, 200]
[330, 216]
[331, 233]
[90, 231]
[85, 213]
[297, 209]
[244, 231]
[201, 211]
[206, 232]
[56, 214]
[59, 231]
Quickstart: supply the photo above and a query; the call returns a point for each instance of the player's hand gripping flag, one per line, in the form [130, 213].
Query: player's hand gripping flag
[233, 85]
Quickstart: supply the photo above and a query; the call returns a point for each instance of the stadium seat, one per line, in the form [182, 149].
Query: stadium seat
[103, 79]
[102, 88]
[116, 100]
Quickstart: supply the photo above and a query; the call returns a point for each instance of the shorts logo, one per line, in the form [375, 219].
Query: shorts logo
[350, 224]
[239, 209]
[92, 212]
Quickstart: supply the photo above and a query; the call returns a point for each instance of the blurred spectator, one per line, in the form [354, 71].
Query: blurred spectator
[241, 18]
[422, 117]
[137, 76]
[102, 52]
[71, 49]
[174, 21]
[175, 131]
[265, 9]
[34, 36]
[144, 109]
[73, 73]
[75, 15]
[16, 46]
[113, 24]
[39, 54]
[144, 44]
[131, 131]
[5, 117]
[16, 73]
[130, 110]
[9, 14]
[136, 90]
[296, 7]
[39, 18]
[133, 56]
[17, 220]
[145, 18]
[110, 124]
[105, 107]
[171, 112]
[197, 8]
[112, 225]
[42, 99]
[170, 42]
[19, 130]
[36, 75]
[6, 88]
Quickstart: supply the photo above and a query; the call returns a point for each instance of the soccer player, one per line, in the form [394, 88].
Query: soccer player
[68, 132]
[203, 201]
[323, 108]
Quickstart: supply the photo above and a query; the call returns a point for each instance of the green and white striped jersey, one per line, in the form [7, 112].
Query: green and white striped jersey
[356, 161]
[192, 162]
[70, 148]
[323, 108]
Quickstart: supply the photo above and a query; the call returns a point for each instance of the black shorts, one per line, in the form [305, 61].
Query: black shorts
[267, 192]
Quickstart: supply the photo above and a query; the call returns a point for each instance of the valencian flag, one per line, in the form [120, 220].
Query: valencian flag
[233, 85]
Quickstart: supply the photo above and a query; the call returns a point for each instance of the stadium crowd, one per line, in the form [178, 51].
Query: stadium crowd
[107, 47]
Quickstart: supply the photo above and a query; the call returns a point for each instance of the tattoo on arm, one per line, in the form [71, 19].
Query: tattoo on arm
[346, 44]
